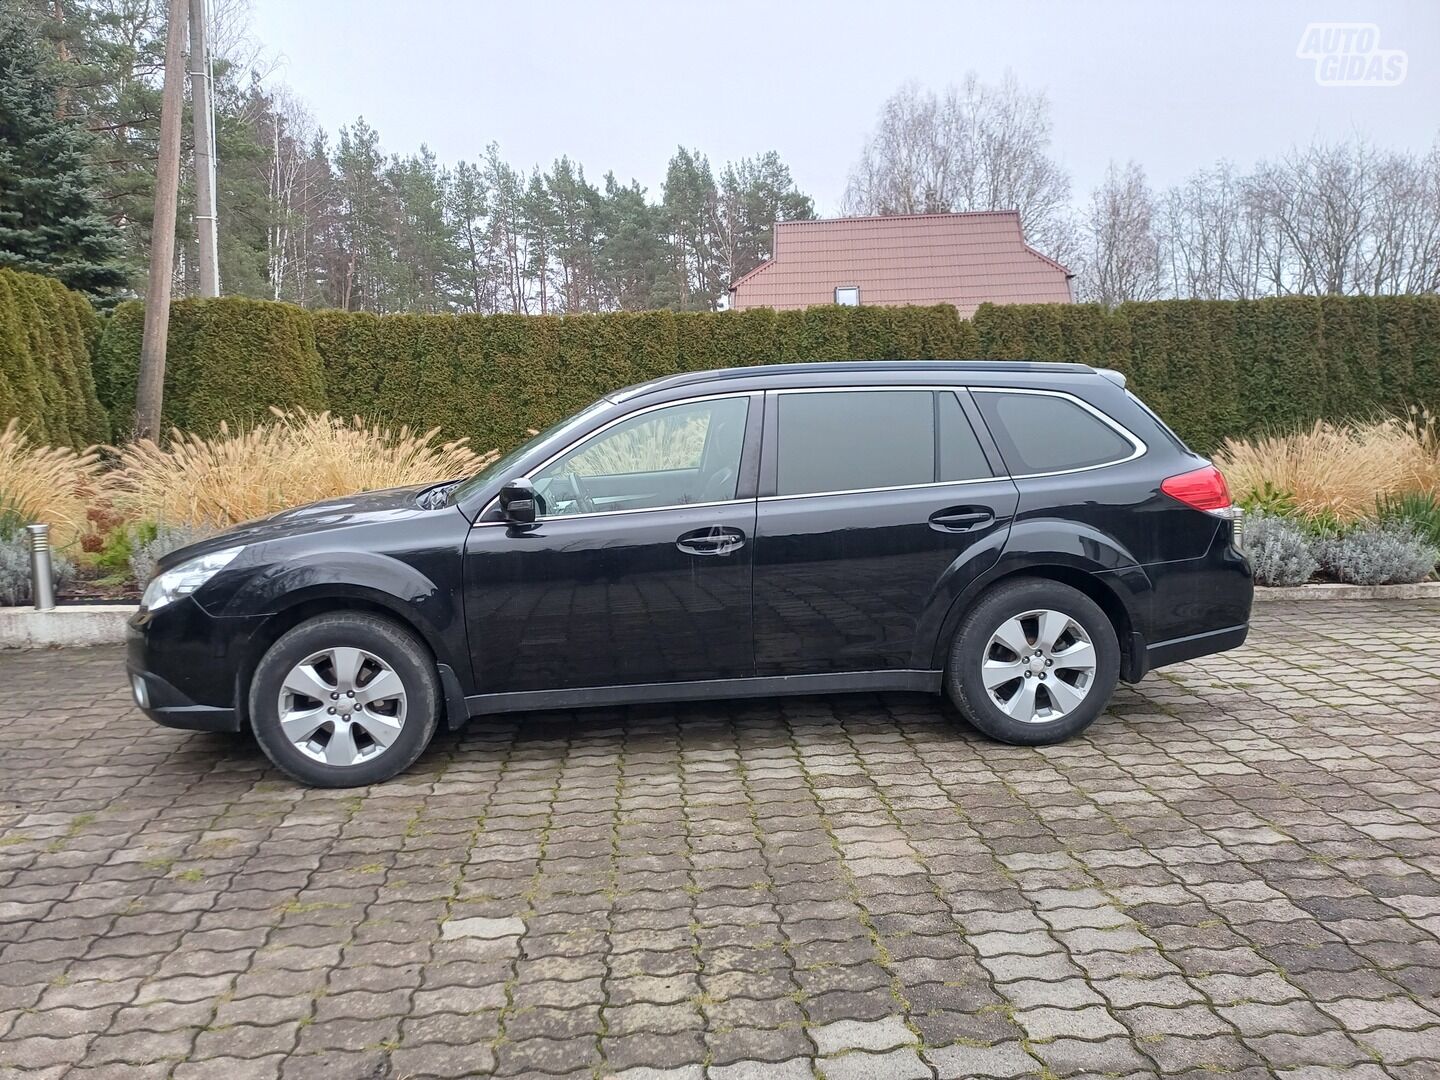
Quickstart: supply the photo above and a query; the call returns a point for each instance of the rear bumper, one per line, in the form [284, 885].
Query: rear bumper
[1176, 650]
[1194, 607]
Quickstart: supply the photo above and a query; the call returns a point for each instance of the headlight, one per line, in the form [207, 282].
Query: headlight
[185, 578]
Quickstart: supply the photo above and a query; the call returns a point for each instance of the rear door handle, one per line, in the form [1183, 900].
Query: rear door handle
[960, 518]
[713, 540]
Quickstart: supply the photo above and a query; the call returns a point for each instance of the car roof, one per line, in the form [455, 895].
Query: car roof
[860, 372]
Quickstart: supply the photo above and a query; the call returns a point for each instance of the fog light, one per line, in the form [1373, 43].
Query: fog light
[140, 690]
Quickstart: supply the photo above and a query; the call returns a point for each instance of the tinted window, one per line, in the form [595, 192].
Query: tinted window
[1040, 433]
[683, 454]
[960, 455]
[852, 440]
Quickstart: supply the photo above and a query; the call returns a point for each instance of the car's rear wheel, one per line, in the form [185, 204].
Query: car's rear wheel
[1034, 662]
[344, 700]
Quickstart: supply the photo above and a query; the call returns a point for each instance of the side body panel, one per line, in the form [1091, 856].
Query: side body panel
[847, 582]
[608, 600]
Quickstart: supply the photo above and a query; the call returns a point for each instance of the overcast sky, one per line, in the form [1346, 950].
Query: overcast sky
[617, 84]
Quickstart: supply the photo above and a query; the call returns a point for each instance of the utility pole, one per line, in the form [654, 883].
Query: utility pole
[204, 120]
[162, 237]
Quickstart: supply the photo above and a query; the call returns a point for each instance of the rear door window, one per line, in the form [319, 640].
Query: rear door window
[1043, 433]
[854, 440]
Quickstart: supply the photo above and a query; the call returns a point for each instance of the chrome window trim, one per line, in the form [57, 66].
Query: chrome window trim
[494, 502]
[1138, 447]
[913, 388]
[893, 487]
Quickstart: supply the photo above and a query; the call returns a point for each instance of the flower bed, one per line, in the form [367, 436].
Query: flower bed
[1355, 503]
[114, 512]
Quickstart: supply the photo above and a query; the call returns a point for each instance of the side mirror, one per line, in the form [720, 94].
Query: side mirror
[517, 502]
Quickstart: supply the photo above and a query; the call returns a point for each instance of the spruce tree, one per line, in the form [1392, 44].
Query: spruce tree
[49, 221]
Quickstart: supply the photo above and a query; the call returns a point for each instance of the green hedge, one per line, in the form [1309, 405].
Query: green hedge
[47, 333]
[486, 377]
[1221, 368]
[226, 359]
[1212, 368]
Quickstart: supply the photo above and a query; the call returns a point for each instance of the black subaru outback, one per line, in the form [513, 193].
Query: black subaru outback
[1017, 535]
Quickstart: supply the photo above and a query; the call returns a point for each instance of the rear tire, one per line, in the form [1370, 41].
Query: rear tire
[345, 700]
[1000, 684]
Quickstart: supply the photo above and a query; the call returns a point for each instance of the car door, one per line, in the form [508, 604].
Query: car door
[877, 505]
[637, 569]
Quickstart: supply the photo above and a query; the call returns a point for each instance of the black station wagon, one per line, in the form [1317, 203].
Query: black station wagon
[1018, 535]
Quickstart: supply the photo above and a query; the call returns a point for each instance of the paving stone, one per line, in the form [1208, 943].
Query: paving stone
[1090, 1022]
[1393, 1045]
[845, 1035]
[859, 1065]
[1235, 872]
[1355, 1014]
[486, 929]
[1327, 1048]
[231, 1068]
[1108, 1057]
[1002, 1060]
[794, 1069]
[442, 1060]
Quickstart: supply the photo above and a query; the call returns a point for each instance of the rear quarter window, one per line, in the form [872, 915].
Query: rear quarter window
[1042, 433]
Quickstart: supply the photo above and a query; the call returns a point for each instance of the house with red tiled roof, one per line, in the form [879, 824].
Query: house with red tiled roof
[962, 259]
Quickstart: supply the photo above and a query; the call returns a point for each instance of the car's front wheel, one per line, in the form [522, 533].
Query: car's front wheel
[344, 700]
[1034, 662]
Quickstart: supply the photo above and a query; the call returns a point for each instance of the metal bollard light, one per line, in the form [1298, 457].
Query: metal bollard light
[42, 578]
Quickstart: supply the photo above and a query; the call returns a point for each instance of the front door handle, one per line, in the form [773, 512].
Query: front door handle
[960, 518]
[712, 540]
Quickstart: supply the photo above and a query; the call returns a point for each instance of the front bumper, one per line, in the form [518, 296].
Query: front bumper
[183, 666]
[166, 705]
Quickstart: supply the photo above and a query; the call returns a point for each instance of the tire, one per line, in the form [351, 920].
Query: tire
[1049, 714]
[381, 736]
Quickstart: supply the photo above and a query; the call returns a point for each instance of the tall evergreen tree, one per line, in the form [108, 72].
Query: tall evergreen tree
[691, 282]
[631, 252]
[49, 221]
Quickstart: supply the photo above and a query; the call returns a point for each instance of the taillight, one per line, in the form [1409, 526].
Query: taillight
[1204, 489]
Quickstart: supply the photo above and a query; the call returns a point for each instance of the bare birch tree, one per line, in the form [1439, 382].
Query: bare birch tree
[976, 146]
[1121, 253]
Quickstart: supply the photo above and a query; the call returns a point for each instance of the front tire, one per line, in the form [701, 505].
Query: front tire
[1034, 662]
[344, 700]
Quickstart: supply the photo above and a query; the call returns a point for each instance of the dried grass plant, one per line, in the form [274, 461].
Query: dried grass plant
[50, 484]
[298, 457]
[1336, 471]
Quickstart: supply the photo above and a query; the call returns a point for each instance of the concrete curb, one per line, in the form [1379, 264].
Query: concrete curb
[1421, 590]
[80, 624]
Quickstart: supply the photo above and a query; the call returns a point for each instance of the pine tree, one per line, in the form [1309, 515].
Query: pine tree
[49, 221]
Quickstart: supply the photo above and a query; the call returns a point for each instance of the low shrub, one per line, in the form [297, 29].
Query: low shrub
[50, 484]
[1278, 550]
[1377, 553]
[296, 458]
[15, 570]
[153, 542]
[1418, 509]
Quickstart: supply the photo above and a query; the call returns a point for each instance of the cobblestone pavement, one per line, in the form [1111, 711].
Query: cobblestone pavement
[1236, 871]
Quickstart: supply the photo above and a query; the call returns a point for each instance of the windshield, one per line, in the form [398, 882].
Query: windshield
[507, 461]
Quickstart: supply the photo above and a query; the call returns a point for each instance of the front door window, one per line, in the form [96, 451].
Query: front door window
[673, 456]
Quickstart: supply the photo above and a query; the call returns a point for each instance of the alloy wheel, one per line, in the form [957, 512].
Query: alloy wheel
[1039, 666]
[342, 706]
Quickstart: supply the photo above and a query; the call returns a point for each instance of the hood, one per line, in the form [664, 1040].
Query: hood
[370, 506]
